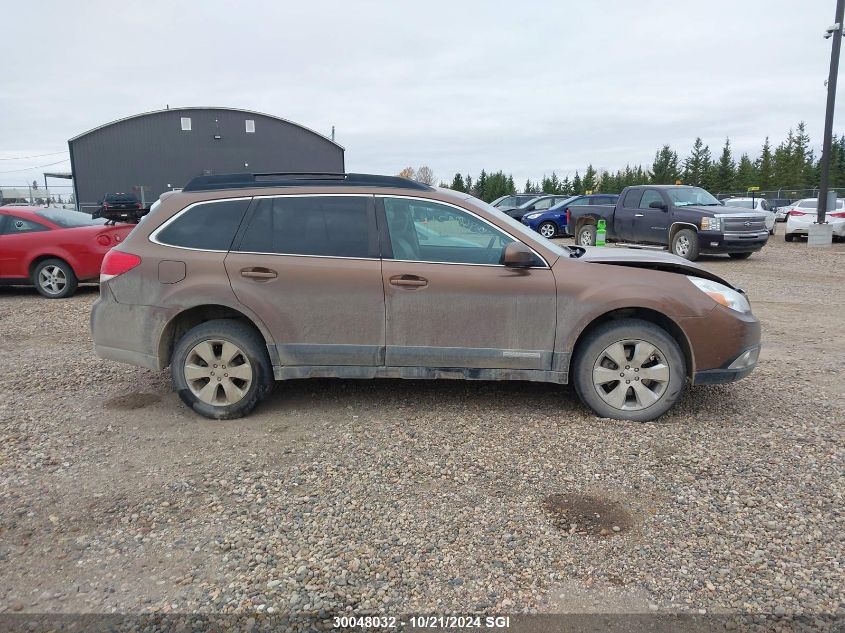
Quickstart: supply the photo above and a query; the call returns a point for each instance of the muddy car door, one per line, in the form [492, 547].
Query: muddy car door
[308, 265]
[450, 302]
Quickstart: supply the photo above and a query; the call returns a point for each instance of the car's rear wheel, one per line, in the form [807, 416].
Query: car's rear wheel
[685, 244]
[629, 369]
[587, 235]
[547, 229]
[54, 279]
[221, 369]
[789, 237]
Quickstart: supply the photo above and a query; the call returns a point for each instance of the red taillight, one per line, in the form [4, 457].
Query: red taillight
[797, 212]
[837, 214]
[116, 263]
[567, 216]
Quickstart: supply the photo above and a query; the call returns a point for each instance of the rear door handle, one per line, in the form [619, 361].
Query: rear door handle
[639, 215]
[263, 274]
[411, 281]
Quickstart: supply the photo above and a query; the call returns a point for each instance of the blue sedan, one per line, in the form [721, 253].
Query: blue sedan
[552, 221]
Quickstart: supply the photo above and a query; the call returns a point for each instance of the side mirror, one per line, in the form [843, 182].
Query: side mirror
[518, 255]
[656, 204]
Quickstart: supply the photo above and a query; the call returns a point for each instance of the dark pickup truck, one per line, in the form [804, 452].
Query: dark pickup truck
[686, 220]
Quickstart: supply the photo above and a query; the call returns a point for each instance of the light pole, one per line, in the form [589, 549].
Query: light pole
[836, 32]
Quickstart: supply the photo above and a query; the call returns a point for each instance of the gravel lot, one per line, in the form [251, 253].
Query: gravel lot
[408, 496]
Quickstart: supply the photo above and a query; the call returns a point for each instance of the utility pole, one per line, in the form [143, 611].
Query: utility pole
[836, 32]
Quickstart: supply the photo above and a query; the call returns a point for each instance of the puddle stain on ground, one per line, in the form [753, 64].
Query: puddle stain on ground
[587, 515]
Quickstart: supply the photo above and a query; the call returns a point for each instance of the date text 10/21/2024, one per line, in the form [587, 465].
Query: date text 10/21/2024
[423, 622]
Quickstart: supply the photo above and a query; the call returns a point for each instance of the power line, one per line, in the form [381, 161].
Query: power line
[34, 156]
[12, 171]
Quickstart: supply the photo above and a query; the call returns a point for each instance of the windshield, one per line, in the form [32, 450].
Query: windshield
[813, 203]
[686, 196]
[68, 219]
[745, 204]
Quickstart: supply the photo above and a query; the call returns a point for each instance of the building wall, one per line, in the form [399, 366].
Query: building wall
[154, 152]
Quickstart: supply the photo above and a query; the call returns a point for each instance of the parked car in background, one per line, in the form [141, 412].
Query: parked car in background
[686, 220]
[554, 220]
[760, 205]
[235, 285]
[781, 207]
[805, 212]
[514, 200]
[119, 207]
[539, 203]
[53, 248]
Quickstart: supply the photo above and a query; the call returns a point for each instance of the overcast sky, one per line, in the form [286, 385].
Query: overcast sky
[527, 87]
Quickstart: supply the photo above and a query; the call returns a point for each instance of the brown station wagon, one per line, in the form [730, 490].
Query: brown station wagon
[241, 279]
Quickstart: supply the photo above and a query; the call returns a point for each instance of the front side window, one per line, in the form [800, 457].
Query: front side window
[16, 226]
[328, 226]
[648, 197]
[426, 231]
[543, 204]
[208, 226]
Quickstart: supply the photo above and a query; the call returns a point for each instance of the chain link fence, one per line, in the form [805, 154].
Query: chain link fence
[779, 194]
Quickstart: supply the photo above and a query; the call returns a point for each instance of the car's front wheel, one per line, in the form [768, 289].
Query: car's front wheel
[55, 279]
[685, 244]
[221, 369]
[629, 369]
[547, 229]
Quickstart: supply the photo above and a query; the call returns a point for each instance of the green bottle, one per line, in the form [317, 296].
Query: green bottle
[601, 233]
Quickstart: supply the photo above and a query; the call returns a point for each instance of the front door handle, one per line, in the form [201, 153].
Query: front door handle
[262, 274]
[639, 215]
[411, 281]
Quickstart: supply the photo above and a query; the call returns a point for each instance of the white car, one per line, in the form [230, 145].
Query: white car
[755, 204]
[804, 213]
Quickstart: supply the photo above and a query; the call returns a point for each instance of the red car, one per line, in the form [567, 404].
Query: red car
[54, 249]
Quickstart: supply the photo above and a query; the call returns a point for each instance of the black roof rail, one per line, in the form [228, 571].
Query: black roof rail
[300, 179]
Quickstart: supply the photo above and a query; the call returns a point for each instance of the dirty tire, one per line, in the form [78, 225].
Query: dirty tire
[253, 353]
[739, 255]
[685, 244]
[587, 235]
[54, 279]
[547, 229]
[593, 349]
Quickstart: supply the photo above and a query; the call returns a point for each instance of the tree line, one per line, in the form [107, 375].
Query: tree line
[790, 165]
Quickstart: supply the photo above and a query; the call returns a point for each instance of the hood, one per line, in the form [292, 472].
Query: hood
[734, 212]
[649, 259]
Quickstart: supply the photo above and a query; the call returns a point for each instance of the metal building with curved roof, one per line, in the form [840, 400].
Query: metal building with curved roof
[150, 153]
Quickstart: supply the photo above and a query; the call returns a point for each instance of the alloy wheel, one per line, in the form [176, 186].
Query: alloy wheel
[52, 279]
[682, 246]
[547, 230]
[631, 375]
[218, 372]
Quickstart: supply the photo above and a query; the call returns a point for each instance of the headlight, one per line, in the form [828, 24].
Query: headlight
[711, 224]
[720, 293]
[531, 216]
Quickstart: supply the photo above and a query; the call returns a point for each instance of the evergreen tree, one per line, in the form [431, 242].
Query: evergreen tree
[764, 166]
[566, 186]
[577, 189]
[468, 184]
[529, 187]
[589, 182]
[697, 164]
[458, 183]
[665, 170]
[511, 186]
[746, 174]
[725, 170]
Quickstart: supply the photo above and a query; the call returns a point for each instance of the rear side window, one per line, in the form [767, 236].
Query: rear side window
[331, 226]
[208, 226]
[15, 226]
[632, 199]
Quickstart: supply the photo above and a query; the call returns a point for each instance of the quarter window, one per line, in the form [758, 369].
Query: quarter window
[330, 226]
[431, 232]
[209, 226]
[15, 226]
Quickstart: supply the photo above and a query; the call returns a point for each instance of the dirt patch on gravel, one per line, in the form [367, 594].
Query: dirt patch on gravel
[130, 401]
[587, 515]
